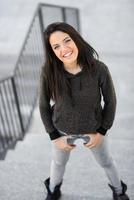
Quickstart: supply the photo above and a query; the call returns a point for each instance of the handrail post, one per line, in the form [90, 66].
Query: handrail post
[41, 25]
[63, 15]
[17, 105]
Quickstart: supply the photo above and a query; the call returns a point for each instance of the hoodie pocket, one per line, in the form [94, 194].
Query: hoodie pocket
[87, 119]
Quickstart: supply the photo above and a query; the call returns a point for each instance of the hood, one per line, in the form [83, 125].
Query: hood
[70, 76]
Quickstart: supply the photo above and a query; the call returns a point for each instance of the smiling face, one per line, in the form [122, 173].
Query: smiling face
[64, 48]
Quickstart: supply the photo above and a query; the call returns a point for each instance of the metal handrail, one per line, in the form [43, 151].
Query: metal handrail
[19, 90]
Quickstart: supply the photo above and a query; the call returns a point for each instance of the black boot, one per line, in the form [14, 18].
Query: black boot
[55, 195]
[122, 196]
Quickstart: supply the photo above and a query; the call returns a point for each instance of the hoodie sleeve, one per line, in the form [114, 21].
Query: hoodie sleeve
[46, 110]
[109, 98]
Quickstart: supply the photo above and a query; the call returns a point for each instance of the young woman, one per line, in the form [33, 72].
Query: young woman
[75, 79]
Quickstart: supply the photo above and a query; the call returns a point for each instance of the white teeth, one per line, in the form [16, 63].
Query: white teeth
[67, 54]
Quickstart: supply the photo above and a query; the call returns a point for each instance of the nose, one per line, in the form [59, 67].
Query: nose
[63, 48]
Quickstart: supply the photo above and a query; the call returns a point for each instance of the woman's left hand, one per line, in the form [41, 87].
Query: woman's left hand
[95, 140]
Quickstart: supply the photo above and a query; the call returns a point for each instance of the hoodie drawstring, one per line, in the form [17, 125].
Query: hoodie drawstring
[80, 88]
[80, 84]
[70, 76]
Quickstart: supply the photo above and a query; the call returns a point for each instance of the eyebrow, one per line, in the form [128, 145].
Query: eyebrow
[63, 40]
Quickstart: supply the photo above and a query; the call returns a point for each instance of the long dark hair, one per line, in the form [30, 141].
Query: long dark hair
[56, 82]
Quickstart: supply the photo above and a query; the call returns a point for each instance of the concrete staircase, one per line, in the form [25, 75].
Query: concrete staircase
[24, 169]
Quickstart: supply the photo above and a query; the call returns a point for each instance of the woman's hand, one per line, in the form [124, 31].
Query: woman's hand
[95, 140]
[61, 143]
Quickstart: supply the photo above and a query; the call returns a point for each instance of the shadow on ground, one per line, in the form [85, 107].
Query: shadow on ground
[84, 197]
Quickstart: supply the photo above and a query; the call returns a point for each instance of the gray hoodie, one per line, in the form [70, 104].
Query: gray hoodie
[84, 112]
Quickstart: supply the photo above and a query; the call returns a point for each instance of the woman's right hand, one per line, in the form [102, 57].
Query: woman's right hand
[61, 143]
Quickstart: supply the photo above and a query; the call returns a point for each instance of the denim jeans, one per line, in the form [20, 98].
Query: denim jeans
[100, 153]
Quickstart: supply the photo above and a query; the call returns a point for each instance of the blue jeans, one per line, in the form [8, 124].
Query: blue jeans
[101, 154]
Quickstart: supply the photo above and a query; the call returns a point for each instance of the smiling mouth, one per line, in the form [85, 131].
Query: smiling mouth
[67, 55]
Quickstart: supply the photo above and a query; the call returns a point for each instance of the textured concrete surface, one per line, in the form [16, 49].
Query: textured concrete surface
[109, 27]
[24, 170]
